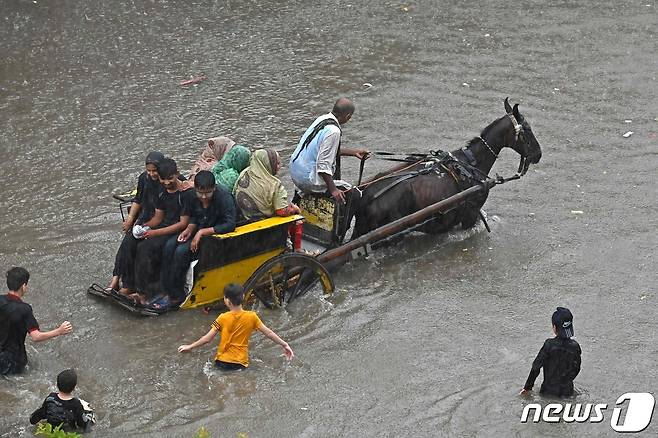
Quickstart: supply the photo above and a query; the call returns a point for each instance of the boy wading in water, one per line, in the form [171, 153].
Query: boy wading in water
[17, 321]
[235, 328]
[560, 358]
[61, 408]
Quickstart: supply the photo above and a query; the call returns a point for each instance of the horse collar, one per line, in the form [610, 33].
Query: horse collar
[488, 147]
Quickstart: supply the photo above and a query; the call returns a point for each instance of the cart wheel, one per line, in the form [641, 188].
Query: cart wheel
[285, 277]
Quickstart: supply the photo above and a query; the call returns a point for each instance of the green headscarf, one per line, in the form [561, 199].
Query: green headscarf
[227, 170]
[236, 158]
[258, 192]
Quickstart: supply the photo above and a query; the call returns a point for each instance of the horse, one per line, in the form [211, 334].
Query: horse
[436, 176]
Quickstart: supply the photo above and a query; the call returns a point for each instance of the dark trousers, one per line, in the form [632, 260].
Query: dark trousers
[8, 364]
[147, 265]
[229, 366]
[176, 259]
[124, 262]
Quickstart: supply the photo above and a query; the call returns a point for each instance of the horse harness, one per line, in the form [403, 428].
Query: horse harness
[465, 174]
[462, 172]
[517, 131]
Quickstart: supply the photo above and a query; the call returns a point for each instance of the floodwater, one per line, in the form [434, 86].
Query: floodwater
[431, 337]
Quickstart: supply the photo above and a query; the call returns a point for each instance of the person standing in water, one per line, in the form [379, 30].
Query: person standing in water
[235, 328]
[17, 321]
[559, 357]
[62, 408]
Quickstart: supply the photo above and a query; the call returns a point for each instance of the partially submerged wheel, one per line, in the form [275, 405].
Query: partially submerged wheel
[284, 278]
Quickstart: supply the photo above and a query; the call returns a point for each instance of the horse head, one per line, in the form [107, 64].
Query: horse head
[525, 143]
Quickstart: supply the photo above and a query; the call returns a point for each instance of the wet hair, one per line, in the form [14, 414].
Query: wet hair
[167, 168]
[234, 293]
[204, 180]
[17, 277]
[66, 381]
[154, 157]
[343, 107]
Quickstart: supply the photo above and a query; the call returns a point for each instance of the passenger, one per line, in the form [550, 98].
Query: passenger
[315, 163]
[142, 210]
[16, 321]
[61, 408]
[172, 215]
[560, 358]
[212, 212]
[259, 193]
[235, 327]
[211, 154]
[228, 169]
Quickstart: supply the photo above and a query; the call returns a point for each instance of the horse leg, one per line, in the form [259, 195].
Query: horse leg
[471, 212]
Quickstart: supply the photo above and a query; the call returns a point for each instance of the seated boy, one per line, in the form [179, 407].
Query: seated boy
[235, 328]
[61, 408]
[213, 212]
[141, 210]
[560, 358]
[172, 214]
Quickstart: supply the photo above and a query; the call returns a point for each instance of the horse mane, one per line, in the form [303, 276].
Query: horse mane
[473, 141]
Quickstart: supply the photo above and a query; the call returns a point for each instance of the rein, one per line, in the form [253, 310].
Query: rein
[414, 159]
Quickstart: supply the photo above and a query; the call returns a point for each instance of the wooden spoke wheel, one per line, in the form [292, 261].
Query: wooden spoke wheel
[284, 278]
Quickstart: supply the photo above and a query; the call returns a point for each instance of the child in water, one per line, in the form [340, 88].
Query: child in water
[235, 328]
[61, 408]
[560, 358]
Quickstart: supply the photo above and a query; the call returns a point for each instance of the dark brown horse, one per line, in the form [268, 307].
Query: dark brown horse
[393, 195]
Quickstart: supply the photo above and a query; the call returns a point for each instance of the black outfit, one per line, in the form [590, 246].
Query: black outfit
[176, 257]
[147, 195]
[56, 411]
[560, 358]
[148, 192]
[220, 214]
[16, 321]
[149, 251]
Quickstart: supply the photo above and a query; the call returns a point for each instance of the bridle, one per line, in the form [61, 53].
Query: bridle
[518, 128]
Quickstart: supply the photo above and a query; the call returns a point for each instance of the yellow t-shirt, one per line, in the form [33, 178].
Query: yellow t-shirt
[235, 328]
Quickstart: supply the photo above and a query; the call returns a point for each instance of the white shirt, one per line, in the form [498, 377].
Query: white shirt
[317, 158]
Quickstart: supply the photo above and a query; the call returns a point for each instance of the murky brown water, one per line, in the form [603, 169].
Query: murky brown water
[432, 337]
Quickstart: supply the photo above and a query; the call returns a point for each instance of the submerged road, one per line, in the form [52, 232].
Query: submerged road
[431, 337]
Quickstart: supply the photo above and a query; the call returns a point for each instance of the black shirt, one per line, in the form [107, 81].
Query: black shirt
[174, 205]
[147, 195]
[220, 214]
[560, 359]
[57, 411]
[16, 321]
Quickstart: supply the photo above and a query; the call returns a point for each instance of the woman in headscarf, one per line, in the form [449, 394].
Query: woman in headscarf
[228, 169]
[259, 193]
[211, 154]
[141, 210]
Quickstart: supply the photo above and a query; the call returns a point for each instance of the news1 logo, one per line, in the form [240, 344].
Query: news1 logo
[638, 412]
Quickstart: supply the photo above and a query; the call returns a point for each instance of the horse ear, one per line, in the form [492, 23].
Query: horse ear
[515, 111]
[507, 107]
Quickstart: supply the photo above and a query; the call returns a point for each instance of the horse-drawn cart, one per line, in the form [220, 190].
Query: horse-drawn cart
[256, 255]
